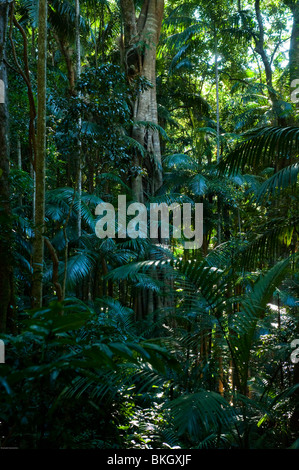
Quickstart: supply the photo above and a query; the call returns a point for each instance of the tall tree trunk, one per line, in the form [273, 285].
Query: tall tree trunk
[294, 51]
[260, 49]
[40, 161]
[294, 45]
[141, 37]
[217, 96]
[6, 239]
[294, 83]
[78, 75]
[67, 52]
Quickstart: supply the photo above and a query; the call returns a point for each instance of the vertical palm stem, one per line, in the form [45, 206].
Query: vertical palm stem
[40, 160]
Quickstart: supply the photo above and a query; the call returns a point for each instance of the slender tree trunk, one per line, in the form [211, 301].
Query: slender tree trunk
[217, 96]
[25, 74]
[294, 51]
[294, 45]
[19, 154]
[294, 75]
[6, 239]
[78, 75]
[40, 161]
[67, 53]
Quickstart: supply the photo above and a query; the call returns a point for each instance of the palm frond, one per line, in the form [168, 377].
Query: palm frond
[134, 144]
[153, 126]
[32, 7]
[79, 266]
[199, 413]
[262, 147]
[114, 178]
[243, 324]
[281, 180]
[254, 304]
[268, 241]
[180, 161]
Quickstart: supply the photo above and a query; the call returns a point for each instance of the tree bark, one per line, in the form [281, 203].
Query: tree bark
[67, 52]
[141, 37]
[25, 74]
[6, 238]
[294, 75]
[217, 96]
[294, 52]
[78, 75]
[294, 44]
[40, 162]
[260, 49]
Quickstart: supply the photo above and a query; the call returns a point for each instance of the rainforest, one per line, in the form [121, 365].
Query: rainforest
[138, 342]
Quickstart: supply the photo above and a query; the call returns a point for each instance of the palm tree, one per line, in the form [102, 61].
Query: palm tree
[40, 159]
[6, 238]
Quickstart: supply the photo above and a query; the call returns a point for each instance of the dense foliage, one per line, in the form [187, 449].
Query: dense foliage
[139, 344]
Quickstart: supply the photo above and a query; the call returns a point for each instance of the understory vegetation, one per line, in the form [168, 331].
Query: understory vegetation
[138, 343]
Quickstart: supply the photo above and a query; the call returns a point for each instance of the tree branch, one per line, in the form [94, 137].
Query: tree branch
[26, 77]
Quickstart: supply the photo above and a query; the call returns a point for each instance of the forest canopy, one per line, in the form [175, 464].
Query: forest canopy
[137, 342]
